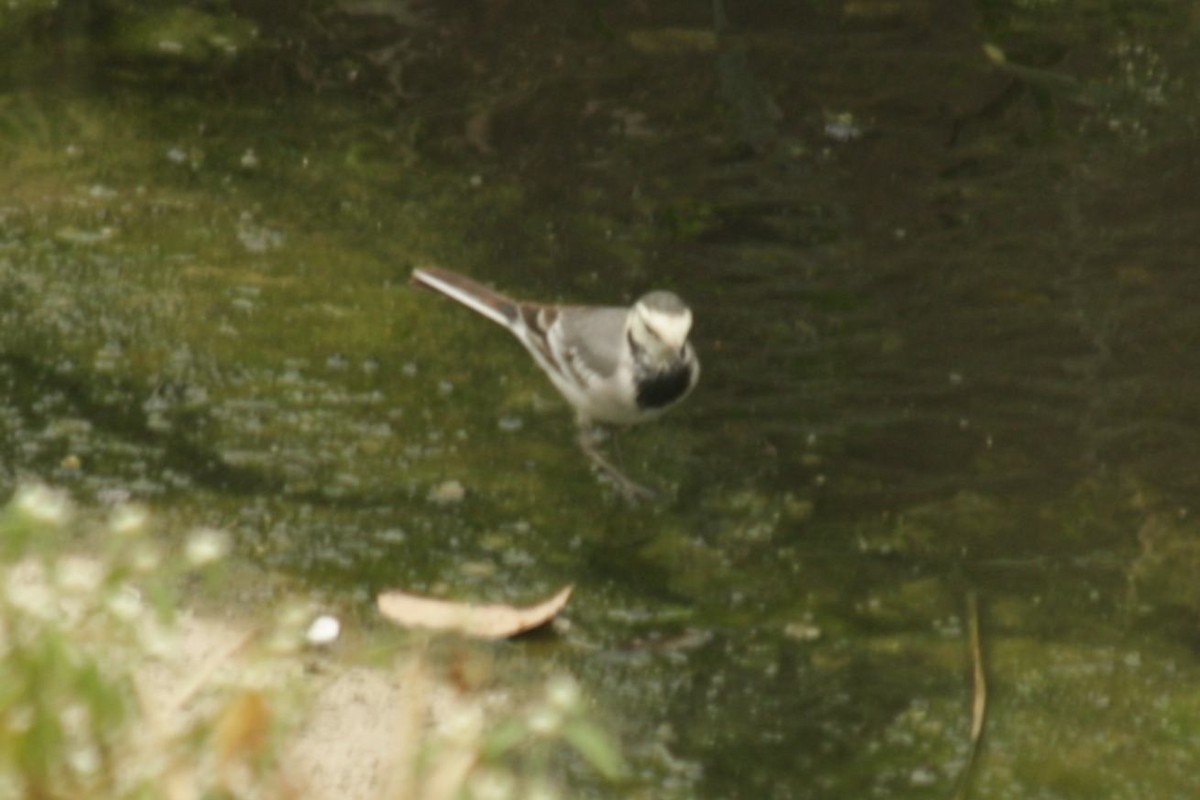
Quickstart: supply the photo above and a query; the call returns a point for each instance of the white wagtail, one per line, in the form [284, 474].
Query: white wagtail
[615, 365]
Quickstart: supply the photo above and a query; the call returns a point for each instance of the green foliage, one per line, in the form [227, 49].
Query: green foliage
[73, 630]
[559, 718]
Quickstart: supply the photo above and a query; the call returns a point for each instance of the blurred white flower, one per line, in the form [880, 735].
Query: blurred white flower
[294, 614]
[125, 603]
[79, 575]
[20, 718]
[493, 784]
[128, 519]
[157, 640]
[84, 760]
[27, 590]
[542, 791]
[75, 718]
[206, 545]
[563, 692]
[42, 503]
[464, 725]
[146, 557]
[290, 634]
[545, 721]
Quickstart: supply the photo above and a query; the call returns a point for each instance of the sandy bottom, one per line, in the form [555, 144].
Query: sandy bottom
[354, 731]
[349, 731]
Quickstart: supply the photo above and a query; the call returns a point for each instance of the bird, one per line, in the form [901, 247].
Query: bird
[616, 366]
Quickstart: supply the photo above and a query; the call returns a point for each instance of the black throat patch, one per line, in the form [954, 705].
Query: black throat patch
[661, 389]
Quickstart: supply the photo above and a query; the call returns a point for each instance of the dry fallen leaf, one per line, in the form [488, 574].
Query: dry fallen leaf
[485, 622]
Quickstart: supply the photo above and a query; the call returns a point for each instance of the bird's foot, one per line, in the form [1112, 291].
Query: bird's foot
[628, 488]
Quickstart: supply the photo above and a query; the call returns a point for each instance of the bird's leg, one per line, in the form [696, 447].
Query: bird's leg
[630, 490]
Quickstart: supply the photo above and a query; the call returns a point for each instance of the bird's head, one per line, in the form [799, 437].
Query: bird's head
[659, 324]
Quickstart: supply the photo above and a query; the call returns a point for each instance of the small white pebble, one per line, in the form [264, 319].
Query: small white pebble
[324, 630]
[113, 496]
[922, 776]
[843, 128]
[448, 493]
[802, 631]
[510, 423]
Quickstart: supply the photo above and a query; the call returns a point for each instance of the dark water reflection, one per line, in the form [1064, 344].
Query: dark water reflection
[945, 307]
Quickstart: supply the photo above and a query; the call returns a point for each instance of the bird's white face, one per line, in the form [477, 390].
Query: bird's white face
[661, 331]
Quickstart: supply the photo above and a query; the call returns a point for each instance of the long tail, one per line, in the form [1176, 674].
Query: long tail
[471, 294]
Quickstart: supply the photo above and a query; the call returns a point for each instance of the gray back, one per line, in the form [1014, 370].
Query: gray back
[597, 334]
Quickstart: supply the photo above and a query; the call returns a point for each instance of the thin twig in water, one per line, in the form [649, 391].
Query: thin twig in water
[979, 696]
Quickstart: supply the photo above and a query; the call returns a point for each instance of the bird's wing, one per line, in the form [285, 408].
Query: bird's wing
[591, 338]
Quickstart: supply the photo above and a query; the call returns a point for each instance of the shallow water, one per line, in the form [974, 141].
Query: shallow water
[945, 308]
